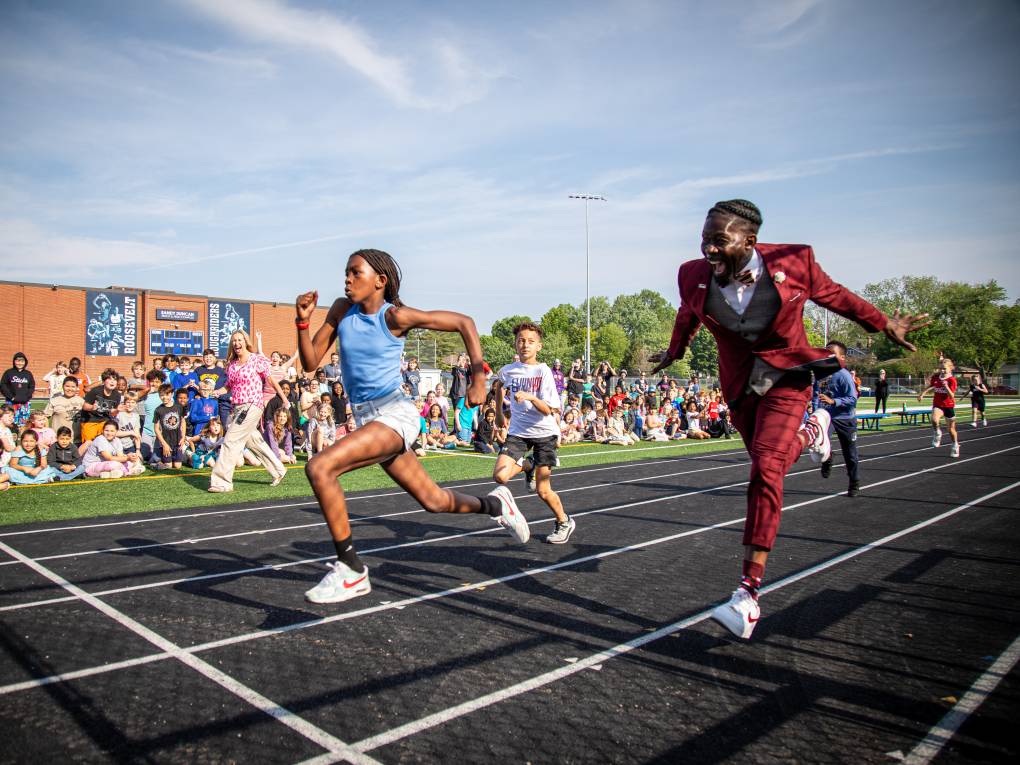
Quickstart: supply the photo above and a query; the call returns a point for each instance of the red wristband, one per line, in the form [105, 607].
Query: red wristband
[300, 324]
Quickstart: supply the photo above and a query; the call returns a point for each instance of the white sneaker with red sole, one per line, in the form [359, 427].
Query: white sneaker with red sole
[740, 614]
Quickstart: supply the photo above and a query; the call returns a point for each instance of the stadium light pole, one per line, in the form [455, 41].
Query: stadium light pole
[588, 198]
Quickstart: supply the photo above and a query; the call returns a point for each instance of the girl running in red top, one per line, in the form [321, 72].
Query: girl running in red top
[943, 404]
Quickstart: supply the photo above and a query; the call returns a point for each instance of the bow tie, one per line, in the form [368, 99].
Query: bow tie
[746, 278]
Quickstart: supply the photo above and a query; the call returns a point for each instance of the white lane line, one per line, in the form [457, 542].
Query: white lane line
[298, 724]
[310, 502]
[373, 519]
[940, 735]
[496, 697]
[435, 540]
[501, 580]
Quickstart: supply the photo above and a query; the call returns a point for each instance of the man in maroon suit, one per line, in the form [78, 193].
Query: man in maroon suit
[751, 297]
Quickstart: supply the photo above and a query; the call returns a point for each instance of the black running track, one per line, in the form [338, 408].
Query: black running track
[183, 636]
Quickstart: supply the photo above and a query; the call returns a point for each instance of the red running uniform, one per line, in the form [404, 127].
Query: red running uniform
[944, 390]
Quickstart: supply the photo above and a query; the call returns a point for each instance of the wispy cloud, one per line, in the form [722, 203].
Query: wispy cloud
[346, 42]
[27, 250]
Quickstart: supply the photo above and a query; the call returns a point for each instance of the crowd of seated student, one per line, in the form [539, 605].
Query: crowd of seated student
[175, 414]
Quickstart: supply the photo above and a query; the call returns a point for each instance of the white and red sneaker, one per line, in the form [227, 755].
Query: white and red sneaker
[341, 583]
[740, 614]
[512, 519]
[817, 428]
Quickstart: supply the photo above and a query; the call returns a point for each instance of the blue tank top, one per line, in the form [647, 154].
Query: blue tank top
[369, 354]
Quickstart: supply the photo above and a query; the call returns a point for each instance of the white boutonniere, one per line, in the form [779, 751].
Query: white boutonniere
[779, 277]
[702, 287]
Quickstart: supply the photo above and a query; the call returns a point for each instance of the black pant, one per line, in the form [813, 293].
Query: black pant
[881, 399]
[846, 431]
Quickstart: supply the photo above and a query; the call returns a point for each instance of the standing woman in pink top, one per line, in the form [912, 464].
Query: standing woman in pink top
[248, 374]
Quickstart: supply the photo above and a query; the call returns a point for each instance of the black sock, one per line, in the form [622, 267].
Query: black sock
[346, 553]
[491, 505]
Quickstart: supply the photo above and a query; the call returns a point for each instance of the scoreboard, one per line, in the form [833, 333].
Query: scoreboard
[175, 341]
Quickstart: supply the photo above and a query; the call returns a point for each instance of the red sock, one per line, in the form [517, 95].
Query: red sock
[753, 573]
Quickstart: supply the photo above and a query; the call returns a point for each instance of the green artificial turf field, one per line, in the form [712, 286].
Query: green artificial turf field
[170, 489]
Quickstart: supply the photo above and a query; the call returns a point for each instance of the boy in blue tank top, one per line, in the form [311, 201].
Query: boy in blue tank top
[371, 324]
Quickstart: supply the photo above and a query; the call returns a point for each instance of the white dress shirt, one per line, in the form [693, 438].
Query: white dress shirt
[737, 294]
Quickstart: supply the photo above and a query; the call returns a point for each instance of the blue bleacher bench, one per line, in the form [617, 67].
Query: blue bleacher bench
[871, 421]
[914, 416]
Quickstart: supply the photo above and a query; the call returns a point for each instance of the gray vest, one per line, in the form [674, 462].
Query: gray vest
[757, 317]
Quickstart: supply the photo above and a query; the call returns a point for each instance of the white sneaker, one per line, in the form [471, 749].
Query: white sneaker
[936, 439]
[819, 448]
[512, 519]
[561, 533]
[341, 583]
[955, 451]
[974, 424]
[984, 423]
[740, 614]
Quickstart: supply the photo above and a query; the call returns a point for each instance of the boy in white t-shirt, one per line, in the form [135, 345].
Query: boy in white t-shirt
[534, 402]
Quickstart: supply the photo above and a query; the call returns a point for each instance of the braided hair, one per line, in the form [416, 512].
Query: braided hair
[384, 265]
[741, 208]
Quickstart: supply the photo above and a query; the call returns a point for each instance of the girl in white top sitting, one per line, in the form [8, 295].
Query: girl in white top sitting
[105, 456]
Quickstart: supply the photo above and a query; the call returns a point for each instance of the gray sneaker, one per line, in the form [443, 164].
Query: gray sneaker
[562, 532]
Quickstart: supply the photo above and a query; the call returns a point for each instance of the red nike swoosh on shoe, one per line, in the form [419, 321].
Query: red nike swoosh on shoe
[348, 585]
[752, 621]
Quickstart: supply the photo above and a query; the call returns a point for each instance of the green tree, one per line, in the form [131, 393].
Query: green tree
[504, 328]
[974, 328]
[497, 352]
[703, 356]
[556, 345]
[562, 319]
[610, 344]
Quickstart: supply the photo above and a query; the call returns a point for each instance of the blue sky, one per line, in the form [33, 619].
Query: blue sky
[245, 147]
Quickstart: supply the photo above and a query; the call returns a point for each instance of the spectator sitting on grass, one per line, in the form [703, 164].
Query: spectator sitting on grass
[694, 422]
[129, 425]
[7, 438]
[654, 427]
[484, 439]
[674, 426]
[105, 456]
[279, 434]
[28, 462]
[616, 429]
[17, 385]
[39, 422]
[321, 430]
[205, 446]
[438, 435]
[570, 432]
[442, 400]
[341, 405]
[64, 457]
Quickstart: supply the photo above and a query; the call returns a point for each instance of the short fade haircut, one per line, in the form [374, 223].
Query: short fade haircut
[741, 208]
[166, 388]
[71, 379]
[63, 430]
[839, 344]
[528, 325]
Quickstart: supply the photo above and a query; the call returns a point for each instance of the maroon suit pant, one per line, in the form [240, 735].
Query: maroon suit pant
[769, 427]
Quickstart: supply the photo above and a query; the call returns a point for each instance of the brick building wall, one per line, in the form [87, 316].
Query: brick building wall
[47, 323]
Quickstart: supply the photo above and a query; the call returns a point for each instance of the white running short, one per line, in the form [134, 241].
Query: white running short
[394, 410]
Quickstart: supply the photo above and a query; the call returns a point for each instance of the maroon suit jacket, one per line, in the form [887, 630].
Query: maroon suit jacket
[783, 345]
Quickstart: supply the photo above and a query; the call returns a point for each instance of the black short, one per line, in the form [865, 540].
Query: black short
[543, 450]
[949, 412]
[977, 403]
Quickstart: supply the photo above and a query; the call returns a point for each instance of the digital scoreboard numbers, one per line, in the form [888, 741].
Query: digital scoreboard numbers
[176, 341]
